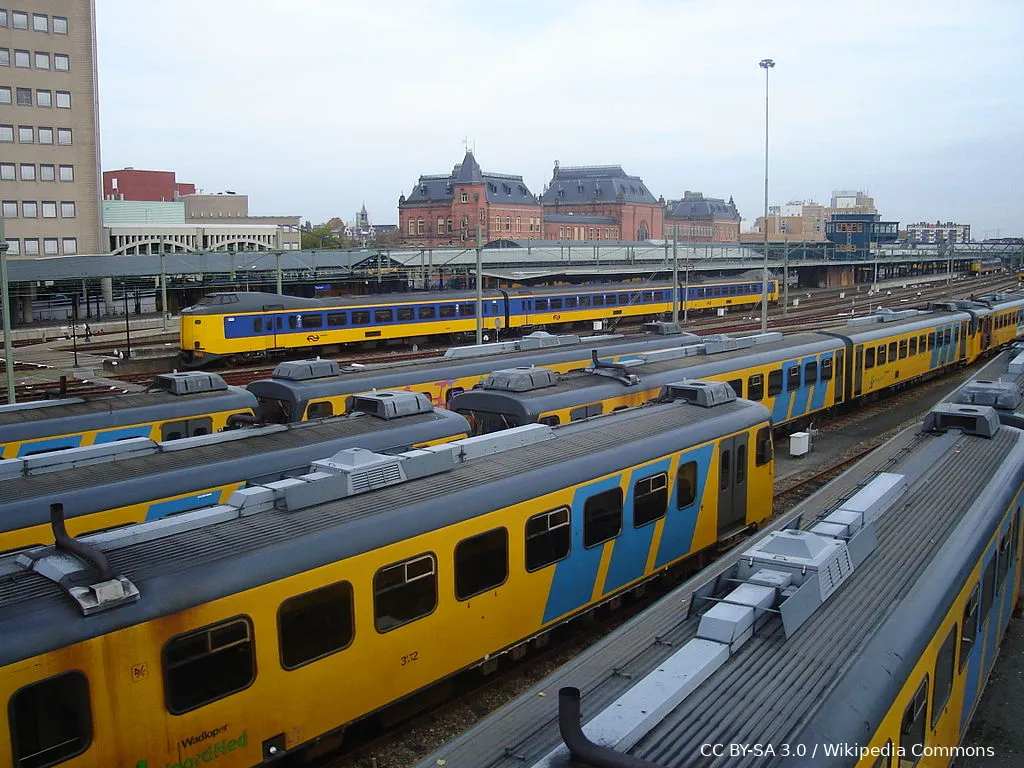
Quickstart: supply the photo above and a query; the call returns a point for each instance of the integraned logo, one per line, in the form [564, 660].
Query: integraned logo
[211, 753]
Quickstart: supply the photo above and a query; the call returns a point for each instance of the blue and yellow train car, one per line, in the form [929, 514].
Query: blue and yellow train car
[987, 265]
[243, 325]
[858, 631]
[179, 405]
[140, 480]
[243, 632]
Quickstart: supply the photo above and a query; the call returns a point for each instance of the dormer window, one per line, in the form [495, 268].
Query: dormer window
[464, 197]
[579, 188]
[561, 193]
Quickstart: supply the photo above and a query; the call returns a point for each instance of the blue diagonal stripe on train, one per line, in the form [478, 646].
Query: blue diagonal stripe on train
[53, 444]
[113, 435]
[780, 408]
[186, 504]
[677, 533]
[802, 395]
[629, 557]
[573, 583]
[821, 390]
[936, 349]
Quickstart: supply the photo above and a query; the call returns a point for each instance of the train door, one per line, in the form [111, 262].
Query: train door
[838, 375]
[858, 370]
[963, 341]
[732, 483]
[274, 322]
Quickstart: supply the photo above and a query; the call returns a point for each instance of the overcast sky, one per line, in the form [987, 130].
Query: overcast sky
[314, 106]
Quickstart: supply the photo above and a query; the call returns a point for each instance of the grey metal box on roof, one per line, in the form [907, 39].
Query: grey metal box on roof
[981, 420]
[304, 370]
[703, 393]
[390, 404]
[188, 382]
[998, 394]
[521, 379]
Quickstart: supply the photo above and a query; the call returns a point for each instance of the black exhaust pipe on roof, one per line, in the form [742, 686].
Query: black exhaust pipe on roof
[70, 544]
[582, 749]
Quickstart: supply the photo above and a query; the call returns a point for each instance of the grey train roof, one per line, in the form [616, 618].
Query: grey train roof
[403, 374]
[498, 187]
[122, 410]
[833, 679]
[595, 183]
[247, 454]
[189, 568]
[567, 392]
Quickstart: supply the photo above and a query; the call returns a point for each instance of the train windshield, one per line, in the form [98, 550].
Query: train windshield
[272, 411]
[484, 423]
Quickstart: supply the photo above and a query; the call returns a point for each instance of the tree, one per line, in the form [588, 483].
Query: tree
[320, 236]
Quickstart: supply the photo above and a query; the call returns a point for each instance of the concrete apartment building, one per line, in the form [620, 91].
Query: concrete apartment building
[939, 232]
[49, 128]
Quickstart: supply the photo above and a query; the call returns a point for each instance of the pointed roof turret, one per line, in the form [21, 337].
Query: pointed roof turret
[468, 172]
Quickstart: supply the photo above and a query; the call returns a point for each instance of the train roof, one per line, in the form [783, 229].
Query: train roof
[832, 679]
[228, 550]
[122, 410]
[579, 388]
[407, 373]
[256, 454]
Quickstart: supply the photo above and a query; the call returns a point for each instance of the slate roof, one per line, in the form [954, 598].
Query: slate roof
[595, 183]
[702, 207]
[499, 187]
[570, 218]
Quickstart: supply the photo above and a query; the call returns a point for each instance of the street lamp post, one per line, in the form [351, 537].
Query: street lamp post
[765, 64]
[6, 299]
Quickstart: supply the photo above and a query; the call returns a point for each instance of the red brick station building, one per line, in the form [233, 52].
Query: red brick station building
[593, 203]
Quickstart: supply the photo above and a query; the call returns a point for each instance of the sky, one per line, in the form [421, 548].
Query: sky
[313, 107]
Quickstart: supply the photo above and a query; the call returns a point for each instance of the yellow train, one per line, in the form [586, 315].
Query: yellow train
[106, 486]
[858, 635]
[239, 633]
[243, 325]
[795, 376]
[179, 405]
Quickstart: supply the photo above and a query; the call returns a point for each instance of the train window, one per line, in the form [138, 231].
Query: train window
[892, 351]
[585, 412]
[648, 297]
[623, 298]
[360, 317]
[913, 726]
[869, 358]
[947, 336]
[811, 372]
[173, 430]
[278, 322]
[611, 299]
[686, 485]
[404, 592]
[202, 426]
[988, 587]
[312, 321]
[542, 305]
[551, 421]
[724, 469]
[764, 446]
[208, 664]
[1004, 558]
[320, 409]
[446, 310]
[969, 630]
[931, 341]
[426, 313]
[599, 301]
[885, 758]
[826, 369]
[467, 310]
[51, 721]
[315, 624]
[650, 499]
[548, 538]
[913, 346]
[881, 354]
[257, 324]
[943, 687]
[737, 386]
[452, 392]
[337, 318]
[556, 303]
[903, 349]
[293, 321]
[793, 378]
[383, 315]
[602, 517]
[584, 301]
[481, 563]
[774, 382]
[741, 464]
[755, 386]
